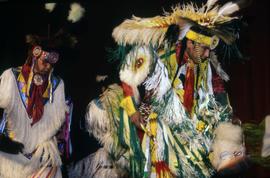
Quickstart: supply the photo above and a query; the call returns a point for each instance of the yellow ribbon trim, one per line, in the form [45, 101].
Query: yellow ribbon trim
[29, 82]
[151, 128]
[199, 38]
[128, 105]
[11, 135]
[21, 79]
[153, 115]
[200, 126]
[46, 94]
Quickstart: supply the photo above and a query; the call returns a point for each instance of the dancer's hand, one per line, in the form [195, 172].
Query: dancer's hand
[137, 119]
[9, 146]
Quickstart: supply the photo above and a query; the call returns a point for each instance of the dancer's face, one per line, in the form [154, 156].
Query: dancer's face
[197, 51]
[42, 67]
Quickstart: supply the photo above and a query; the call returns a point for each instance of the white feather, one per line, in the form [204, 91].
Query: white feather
[50, 6]
[159, 81]
[228, 9]
[184, 29]
[218, 68]
[135, 77]
[97, 121]
[210, 4]
[136, 31]
[76, 12]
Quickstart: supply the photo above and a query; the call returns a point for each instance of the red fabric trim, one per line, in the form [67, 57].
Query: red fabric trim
[189, 82]
[35, 106]
[189, 89]
[26, 71]
[177, 52]
[129, 92]
[140, 134]
[127, 89]
[162, 166]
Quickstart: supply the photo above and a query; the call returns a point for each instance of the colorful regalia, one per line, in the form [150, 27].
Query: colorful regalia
[186, 129]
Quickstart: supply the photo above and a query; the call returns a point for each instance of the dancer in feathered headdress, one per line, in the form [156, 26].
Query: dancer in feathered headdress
[182, 122]
[35, 110]
[30, 95]
[192, 42]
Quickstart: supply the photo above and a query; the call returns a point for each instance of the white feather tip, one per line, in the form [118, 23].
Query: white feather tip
[210, 4]
[228, 9]
[76, 12]
[50, 6]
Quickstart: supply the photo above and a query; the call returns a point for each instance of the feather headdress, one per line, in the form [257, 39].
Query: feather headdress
[152, 30]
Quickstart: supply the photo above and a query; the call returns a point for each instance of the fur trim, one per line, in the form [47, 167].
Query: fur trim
[229, 138]
[228, 131]
[6, 88]
[97, 120]
[101, 115]
[99, 124]
[18, 166]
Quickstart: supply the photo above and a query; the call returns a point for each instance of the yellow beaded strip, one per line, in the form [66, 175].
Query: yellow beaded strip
[199, 38]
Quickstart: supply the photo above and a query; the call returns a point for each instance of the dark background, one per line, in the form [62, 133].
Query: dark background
[249, 87]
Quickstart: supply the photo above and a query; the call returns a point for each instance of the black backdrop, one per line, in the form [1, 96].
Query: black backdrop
[249, 86]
